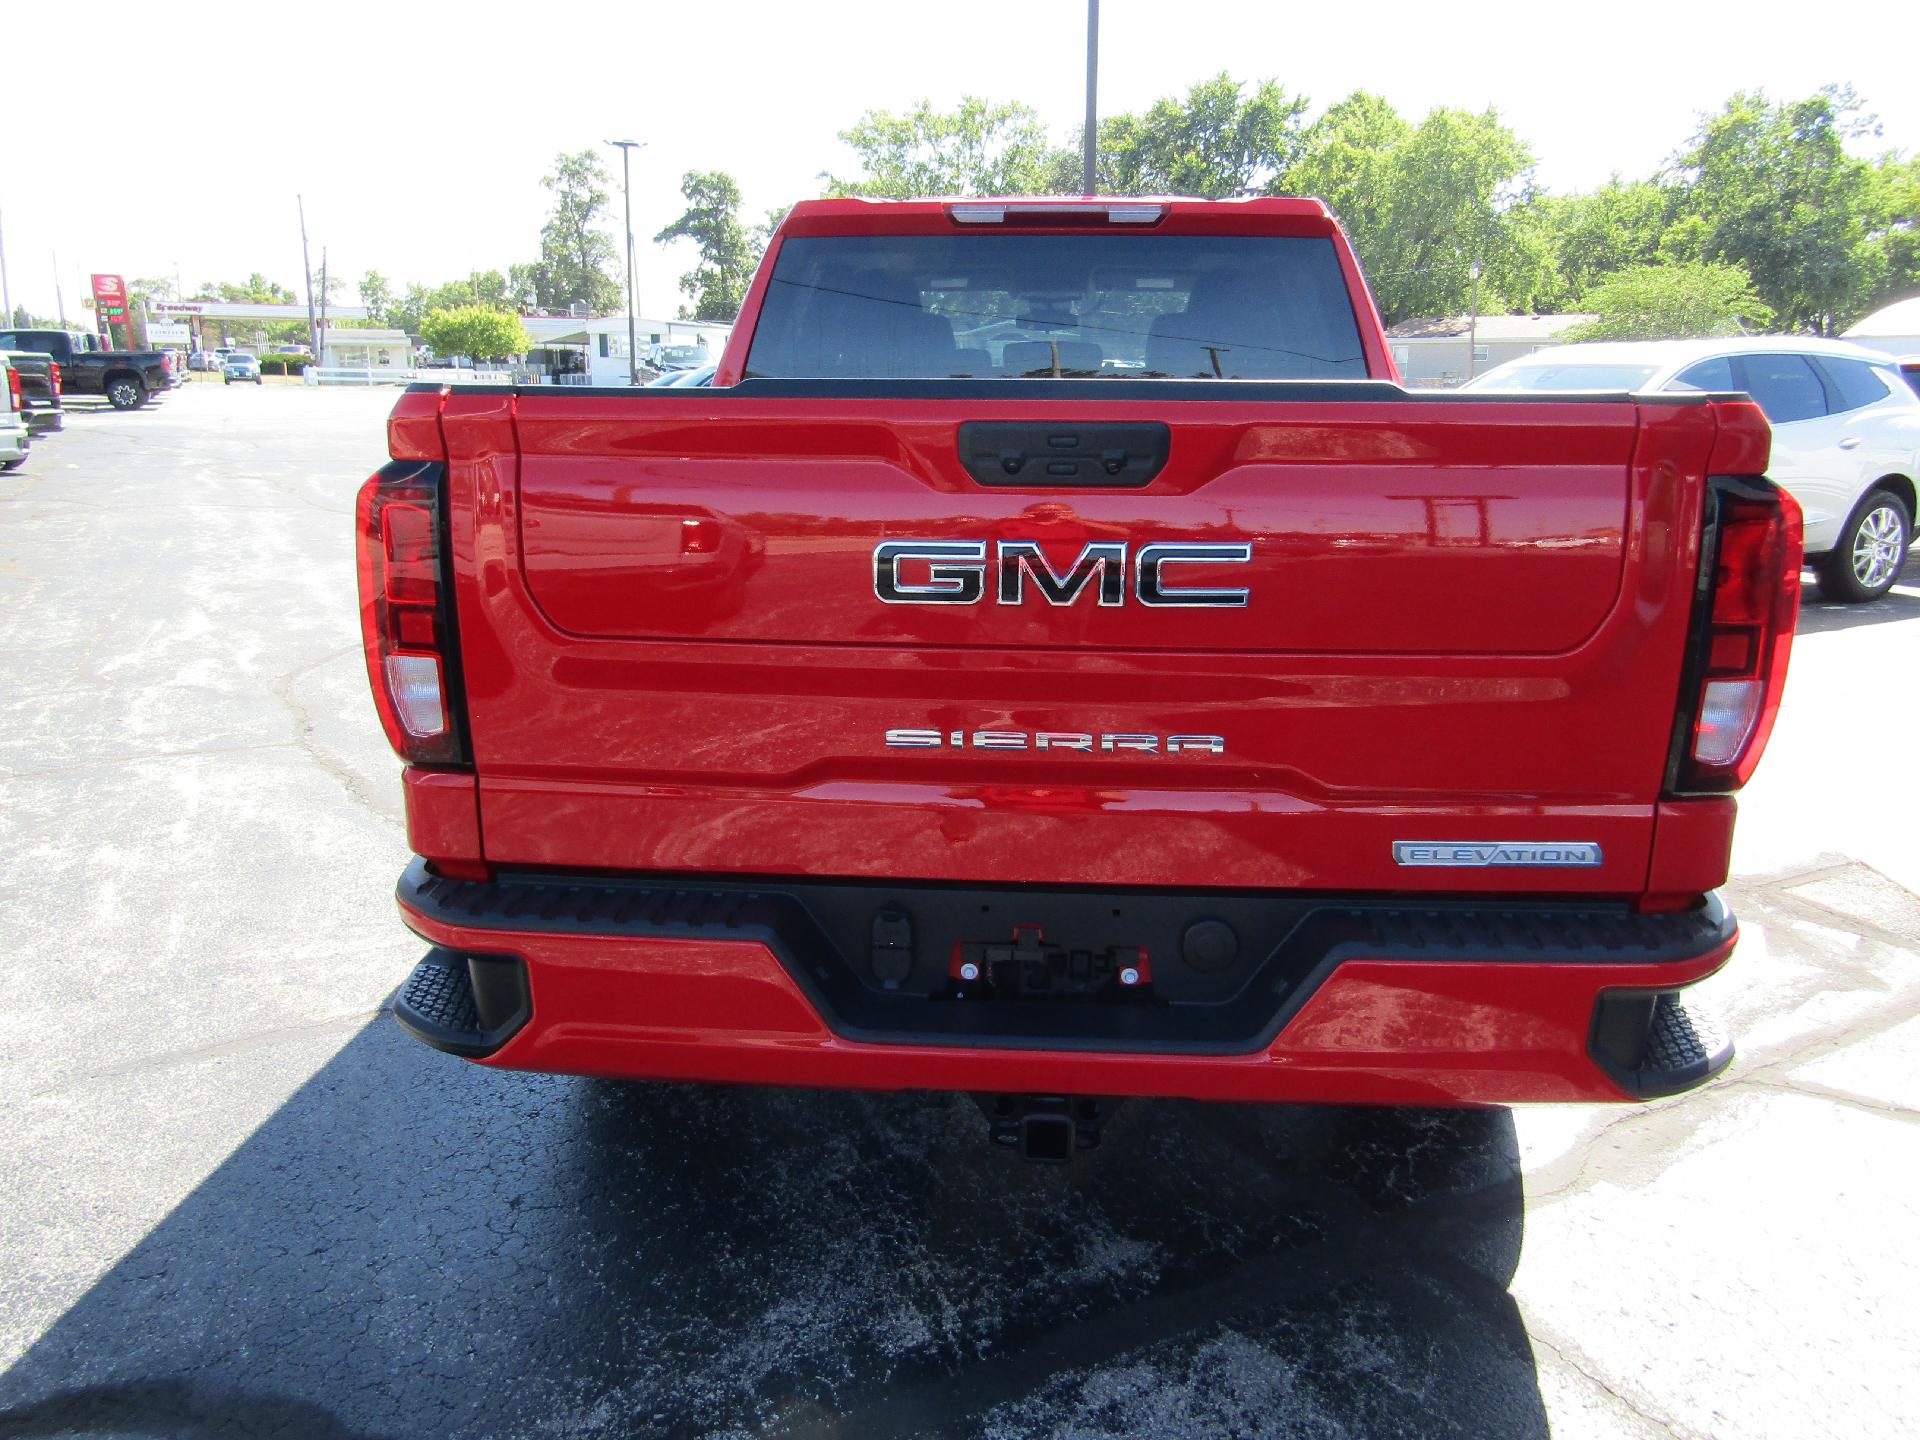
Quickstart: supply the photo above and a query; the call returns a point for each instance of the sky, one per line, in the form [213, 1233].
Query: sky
[433, 124]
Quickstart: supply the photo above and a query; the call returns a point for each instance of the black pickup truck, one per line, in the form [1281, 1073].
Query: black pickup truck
[125, 378]
[40, 389]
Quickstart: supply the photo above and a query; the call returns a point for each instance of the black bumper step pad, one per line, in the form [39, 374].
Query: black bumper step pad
[823, 933]
[467, 1005]
[1658, 1042]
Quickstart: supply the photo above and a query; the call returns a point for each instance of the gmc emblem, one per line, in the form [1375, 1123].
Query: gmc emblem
[955, 573]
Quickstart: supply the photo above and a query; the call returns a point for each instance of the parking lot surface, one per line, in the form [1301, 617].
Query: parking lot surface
[239, 1201]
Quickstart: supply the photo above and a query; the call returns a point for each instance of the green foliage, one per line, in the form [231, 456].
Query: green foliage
[1775, 190]
[377, 295]
[1422, 203]
[1672, 302]
[577, 257]
[256, 289]
[1217, 142]
[718, 283]
[1562, 245]
[284, 364]
[474, 331]
[977, 149]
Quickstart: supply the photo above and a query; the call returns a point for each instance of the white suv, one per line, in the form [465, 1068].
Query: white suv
[1846, 431]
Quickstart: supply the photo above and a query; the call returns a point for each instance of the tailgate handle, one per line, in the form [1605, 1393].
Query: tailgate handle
[1113, 456]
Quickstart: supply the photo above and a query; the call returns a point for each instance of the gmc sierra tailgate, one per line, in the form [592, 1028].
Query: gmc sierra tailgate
[1277, 635]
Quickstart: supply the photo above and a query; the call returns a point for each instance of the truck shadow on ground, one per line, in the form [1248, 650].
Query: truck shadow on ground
[412, 1246]
[1820, 617]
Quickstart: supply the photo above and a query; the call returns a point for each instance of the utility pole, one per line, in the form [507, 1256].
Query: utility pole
[323, 298]
[1091, 138]
[1473, 318]
[313, 329]
[59, 300]
[6, 291]
[627, 147]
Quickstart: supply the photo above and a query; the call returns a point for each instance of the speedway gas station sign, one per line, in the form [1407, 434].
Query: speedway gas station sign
[110, 296]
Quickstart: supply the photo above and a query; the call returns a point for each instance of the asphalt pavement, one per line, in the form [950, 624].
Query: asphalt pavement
[236, 1200]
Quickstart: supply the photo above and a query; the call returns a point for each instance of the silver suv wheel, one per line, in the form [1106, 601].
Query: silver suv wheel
[1879, 545]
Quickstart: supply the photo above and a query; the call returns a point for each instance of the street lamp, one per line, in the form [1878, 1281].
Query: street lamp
[1473, 318]
[627, 147]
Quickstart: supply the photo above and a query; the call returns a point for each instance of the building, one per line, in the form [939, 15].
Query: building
[1894, 329]
[592, 350]
[1451, 351]
[347, 349]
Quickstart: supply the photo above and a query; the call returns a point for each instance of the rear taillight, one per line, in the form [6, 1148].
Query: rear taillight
[1748, 601]
[13, 389]
[406, 612]
[54, 368]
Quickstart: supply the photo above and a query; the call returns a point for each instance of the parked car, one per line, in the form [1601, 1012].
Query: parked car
[41, 405]
[1846, 431]
[204, 360]
[126, 379]
[702, 376]
[14, 438]
[676, 355]
[240, 366]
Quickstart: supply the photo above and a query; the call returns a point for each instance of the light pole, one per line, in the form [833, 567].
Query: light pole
[627, 147]
[1089, 140]
[1473, 318]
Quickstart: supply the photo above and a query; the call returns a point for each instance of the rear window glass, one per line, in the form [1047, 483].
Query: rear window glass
[1714, 374]
[1057, 306]
[1857, 383]
[1784, 386]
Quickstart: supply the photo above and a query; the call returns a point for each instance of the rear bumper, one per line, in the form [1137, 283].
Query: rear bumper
[1358, 1001]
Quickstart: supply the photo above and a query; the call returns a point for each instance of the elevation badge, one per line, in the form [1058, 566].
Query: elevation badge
[1486, 854]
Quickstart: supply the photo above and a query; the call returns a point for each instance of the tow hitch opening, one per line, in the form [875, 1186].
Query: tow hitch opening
[1050, 1129]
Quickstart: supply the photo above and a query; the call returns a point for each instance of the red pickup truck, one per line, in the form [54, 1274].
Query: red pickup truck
[1056, 660]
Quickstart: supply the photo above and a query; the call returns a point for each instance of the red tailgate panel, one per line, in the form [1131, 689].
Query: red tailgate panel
[675, 659]
[761, 527]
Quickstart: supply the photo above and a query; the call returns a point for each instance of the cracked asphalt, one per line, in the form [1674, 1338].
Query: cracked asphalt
[235, 1200]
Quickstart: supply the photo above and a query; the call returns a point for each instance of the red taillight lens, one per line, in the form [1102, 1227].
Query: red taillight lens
[1752, 595]
[54, 366]
[13, 388]
[406, 608]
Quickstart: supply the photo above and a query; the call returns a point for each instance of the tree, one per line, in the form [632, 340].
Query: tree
[1896, 233]
[1217, 142]
[1560, 246]
[718, 283]
[1776, 191]
[476, 332]
[1423, 204]
[377, 295]
[256, 289]
[1672, 302]
[575, 254]
[977, 149]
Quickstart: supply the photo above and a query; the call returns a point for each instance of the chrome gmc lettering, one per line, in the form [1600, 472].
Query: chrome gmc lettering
[955, 573]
